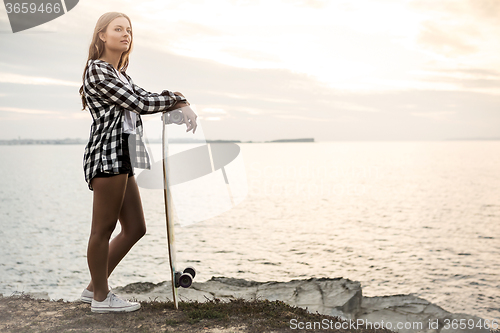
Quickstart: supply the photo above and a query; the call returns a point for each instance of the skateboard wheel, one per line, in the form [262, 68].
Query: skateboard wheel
[177, 278]
[190, 270]
[185, 280]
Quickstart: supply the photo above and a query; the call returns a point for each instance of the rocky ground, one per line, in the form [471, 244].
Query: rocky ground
[328, 296]
[26, 314]
[235, 305]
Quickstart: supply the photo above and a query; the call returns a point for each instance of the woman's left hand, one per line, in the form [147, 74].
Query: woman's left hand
[189, 118]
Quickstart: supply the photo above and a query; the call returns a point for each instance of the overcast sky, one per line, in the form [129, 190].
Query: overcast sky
[266, 70]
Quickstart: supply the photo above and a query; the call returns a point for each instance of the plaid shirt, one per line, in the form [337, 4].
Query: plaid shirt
[107, 96]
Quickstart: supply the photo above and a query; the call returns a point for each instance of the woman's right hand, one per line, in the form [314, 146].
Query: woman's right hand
[178, 105]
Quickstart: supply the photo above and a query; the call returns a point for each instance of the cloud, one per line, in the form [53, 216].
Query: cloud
[485, 9]
[476, 79]
[185, 29]
[338, 105]
[449, 40]
[252, 96]
[439, 115]
[29, 111]
[474, 72]
[449, 7]
[311, 3]
[303, 118]
[458, 27]
[214, 110]
[251, 54]
[471, 83]
[36, 80]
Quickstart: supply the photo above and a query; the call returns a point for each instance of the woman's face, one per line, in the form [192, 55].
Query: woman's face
[117, 33]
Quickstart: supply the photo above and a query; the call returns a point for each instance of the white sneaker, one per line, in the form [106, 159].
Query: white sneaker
[87, 296]
[113, 303]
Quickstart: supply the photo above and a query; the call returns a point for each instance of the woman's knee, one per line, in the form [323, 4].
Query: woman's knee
[138, 232]
[102, 231]
[142, 231]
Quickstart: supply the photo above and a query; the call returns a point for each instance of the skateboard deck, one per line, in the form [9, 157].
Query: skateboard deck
[178, 278]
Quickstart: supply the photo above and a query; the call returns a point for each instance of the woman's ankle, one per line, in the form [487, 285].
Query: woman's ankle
[100, 296]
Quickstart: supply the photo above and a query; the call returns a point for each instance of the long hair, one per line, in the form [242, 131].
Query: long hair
[97, 47]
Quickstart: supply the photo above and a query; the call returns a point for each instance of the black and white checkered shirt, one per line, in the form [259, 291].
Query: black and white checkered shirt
[107, 96]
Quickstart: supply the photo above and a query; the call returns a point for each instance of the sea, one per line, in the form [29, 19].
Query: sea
[400, 217]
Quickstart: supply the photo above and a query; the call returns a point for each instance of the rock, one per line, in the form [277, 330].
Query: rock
[140, 287]
[417, 314]
[335, 297]
[342, 297]
[39, 295]
[225, 288]
[236, 282]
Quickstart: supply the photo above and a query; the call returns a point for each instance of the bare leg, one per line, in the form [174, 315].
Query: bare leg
[133, 227]
[108, 197]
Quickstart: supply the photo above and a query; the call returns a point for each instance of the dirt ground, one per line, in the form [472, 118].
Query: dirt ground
[25, 314]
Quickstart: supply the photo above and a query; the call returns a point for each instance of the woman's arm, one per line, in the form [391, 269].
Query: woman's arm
[143, 92]
[179, 104]
[103, 83]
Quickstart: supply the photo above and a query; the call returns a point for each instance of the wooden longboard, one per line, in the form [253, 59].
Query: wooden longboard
[169, 211]
[178, 278]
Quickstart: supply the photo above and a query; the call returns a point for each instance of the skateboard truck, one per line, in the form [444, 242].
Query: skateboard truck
[185, 278]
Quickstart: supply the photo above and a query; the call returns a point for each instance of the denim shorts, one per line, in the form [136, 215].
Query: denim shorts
[126, 167]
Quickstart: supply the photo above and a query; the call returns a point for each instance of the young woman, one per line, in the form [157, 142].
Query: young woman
[115, 146]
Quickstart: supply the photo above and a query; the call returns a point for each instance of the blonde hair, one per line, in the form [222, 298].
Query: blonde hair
[97, 46]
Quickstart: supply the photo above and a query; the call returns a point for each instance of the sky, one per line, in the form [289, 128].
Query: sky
[266, 70]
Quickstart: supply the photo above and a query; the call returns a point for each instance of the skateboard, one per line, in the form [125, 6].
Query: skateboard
[179, 278]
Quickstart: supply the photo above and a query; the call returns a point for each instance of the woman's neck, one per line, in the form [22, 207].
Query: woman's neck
[113, 59]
